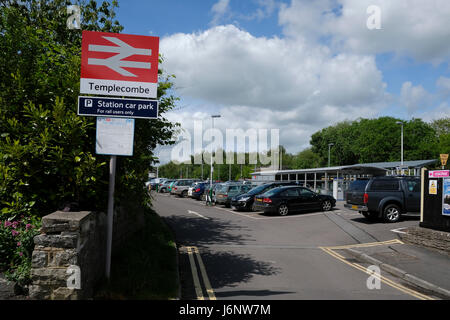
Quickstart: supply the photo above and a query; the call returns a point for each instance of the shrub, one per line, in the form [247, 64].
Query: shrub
[16, 248]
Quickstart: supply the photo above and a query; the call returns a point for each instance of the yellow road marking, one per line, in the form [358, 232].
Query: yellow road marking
[364, 245]
[198, 289]
[209, 289]
[385, 280]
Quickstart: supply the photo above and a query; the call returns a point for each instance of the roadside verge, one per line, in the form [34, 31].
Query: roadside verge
[146, 266]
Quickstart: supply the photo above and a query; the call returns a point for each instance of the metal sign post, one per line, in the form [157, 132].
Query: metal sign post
[110, 218]
[132, 71]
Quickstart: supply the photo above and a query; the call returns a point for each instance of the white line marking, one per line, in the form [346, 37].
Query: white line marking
[293, 216]
[251, 215]
[398, 230]
[198, 214]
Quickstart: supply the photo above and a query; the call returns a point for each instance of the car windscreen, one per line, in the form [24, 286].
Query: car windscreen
[259, 189]
[358, 185]
[221, 188]
[271, 192]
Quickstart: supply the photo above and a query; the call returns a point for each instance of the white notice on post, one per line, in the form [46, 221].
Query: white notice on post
[114, 136]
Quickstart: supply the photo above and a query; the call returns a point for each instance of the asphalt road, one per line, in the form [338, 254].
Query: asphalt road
[225, 254]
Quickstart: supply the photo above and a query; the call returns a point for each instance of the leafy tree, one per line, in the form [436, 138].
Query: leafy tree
[47, 151]
[306, 159]
[442, 128]
[375, 140]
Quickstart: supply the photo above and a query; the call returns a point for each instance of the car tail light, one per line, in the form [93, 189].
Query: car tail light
[175, 188]
[267, 200]
[197, 190]
[366, 198]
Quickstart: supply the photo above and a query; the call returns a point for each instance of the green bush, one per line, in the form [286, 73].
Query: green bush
[47, 151]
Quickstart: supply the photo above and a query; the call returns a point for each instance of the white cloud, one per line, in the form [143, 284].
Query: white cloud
[414, 97]
[259, 82]
[321, 72]
[441, 111]
[414, 28]
[219, 9]
[228, 66]
[443, 85]
[265, 9]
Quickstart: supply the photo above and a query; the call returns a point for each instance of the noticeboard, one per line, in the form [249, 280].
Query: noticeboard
[114, 136]
[446, 197]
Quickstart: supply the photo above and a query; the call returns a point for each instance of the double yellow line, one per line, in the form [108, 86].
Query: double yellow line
[330, 251]
[193, 251]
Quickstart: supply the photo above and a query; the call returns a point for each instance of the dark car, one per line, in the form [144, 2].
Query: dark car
[387, 197]
[245, 201]
[198, 189]
[284, 200]
[354, 196]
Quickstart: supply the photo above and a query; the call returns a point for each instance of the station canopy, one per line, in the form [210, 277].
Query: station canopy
[374, 169]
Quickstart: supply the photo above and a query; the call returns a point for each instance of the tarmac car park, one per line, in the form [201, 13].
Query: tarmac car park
[245, 195]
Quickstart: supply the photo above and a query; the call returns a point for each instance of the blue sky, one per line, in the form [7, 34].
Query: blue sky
[162, 18]
[299, 65]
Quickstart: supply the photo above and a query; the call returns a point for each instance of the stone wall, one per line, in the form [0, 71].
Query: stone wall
[437, 240]
[76, 241]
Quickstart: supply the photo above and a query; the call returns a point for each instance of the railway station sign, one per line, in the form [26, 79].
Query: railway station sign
[115, 64]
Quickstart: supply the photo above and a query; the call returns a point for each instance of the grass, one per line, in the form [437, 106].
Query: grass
[145, 267]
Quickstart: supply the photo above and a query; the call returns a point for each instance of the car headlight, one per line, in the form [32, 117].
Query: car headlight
[244, 199]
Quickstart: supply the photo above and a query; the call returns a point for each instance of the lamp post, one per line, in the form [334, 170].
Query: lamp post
[212, 169]
[401, 148]
[329, 149]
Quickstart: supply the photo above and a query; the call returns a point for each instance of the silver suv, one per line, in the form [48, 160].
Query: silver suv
[181, 187]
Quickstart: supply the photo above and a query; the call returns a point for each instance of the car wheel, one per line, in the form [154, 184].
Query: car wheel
[283, 210]
[326, 205]
[183, 194]
[391, 213]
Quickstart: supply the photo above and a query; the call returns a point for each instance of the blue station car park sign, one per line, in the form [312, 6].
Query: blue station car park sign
[117, 107]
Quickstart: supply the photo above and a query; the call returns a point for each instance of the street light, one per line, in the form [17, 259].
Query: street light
[329, 148]
[401, 123]
[212, 126]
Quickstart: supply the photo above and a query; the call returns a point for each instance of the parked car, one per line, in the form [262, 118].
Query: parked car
[354, 195]
[284, 200]
[181, 187]
[386, 197]
[226, 192]
[245, 201]
[197, 190]
[155, 182]
[170, 186]
[163, 186]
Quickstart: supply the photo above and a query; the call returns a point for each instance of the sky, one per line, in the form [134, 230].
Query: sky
[298, 65]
